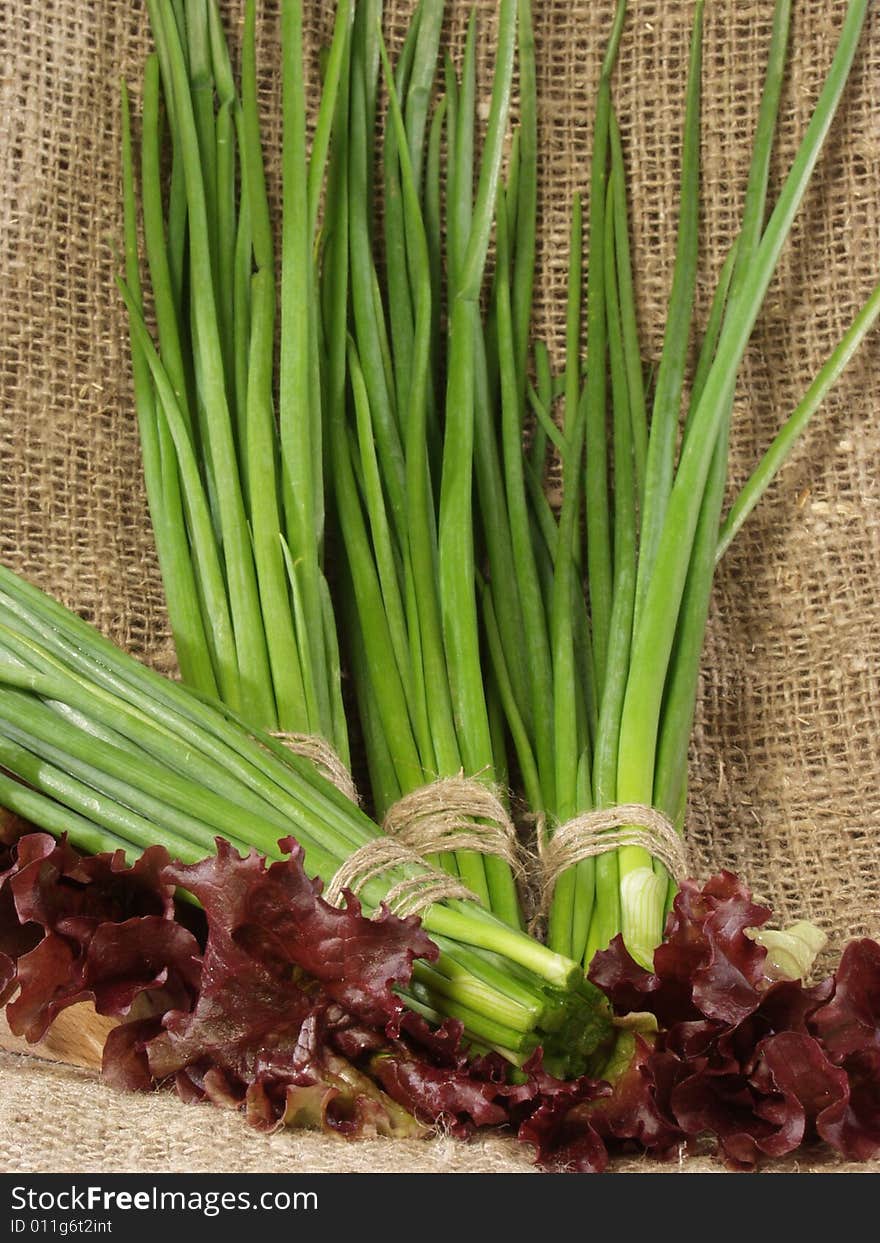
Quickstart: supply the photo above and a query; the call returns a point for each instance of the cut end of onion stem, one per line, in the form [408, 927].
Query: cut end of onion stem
[642, 904]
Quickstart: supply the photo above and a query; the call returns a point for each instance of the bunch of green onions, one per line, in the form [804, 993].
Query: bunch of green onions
[651, 493]
[236, 494]
[94, 745]
[402, 430]
[404, 386]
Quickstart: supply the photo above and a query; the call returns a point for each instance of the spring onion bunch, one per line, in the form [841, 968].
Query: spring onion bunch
[616, 665]
[403, 278]
[232, 450]
[96, 746]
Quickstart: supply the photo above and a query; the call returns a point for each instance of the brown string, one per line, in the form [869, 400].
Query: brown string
[594, 832]
[409, 896]
[455, 813]
[322, 755]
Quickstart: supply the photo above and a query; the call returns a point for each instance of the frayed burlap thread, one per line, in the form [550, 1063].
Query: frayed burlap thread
[410, 896]
[318, 750]
[455, 813]
[594, 832]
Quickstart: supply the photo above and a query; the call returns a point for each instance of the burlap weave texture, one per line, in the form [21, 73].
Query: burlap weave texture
[785, 764]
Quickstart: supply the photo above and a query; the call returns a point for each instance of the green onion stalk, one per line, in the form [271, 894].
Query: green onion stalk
[232, 446]
[410, 386]
[96, 746]
[616, 665]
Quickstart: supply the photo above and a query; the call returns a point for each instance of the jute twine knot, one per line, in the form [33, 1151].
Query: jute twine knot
[409, 896]
[324, 758]
[594, 832]
[455, 813]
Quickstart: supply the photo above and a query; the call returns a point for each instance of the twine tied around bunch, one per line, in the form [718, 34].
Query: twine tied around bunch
[410, 896]
[455, 813]
[324, 758]
[594, 832]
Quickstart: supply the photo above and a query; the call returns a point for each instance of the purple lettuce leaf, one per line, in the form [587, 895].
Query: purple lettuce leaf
[556, 1119]
[850, 1022]
[276, 914]
[706, 966]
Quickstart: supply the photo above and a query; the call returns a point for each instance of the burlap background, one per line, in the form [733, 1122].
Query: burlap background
[785, 764]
